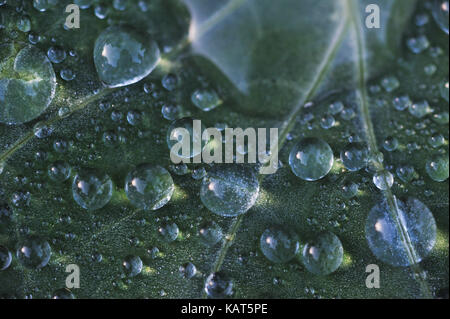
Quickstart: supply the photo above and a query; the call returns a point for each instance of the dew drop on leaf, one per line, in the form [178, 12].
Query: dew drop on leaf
[218, 285]
[63, 293]
[437, 168]
[229, 190]
[149, 187]
[44, 5]
[132, 266]
[279, 246]
[210, 233]
[33, 252]
[5, 258]
[205, 100]
[59, 171]
[169, 232]
[385, 240]
[311, 159]
[383, 180]
[183, 129]
[188, 270]
[323, 255]
[440, 10]
[123, 57]
[355, 156]
[92, 189]
[25, 96]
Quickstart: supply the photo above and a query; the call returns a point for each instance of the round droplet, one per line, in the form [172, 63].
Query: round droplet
[218, 285]
[402, 102]
[188, 270]
[420, 109]
[149, 187]
[56, 54]
[123, 56]
[26, 94]
[229, 190]
[279, 246]
[59, 171]
[406, 173]
[44, 5]
[34, 252]
[383, 180]
[350, 190]
[132, 266]
[390, 144]
[388, 243]
[169, 232]
[5, 258]
[323, 255]
[437, 168]
[206, 100]
[63, 293]
[186, 135]
[210, 233]
[355, 156]
[311, 159]
[444, 88]
[440, 10]
[83, 4]
[92, 189]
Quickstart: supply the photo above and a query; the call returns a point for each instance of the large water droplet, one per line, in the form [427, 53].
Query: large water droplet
[437, 168]
[28, 93]
[311, 159]
[218, 285]
[92, 189]
[34, 252]
[323, 255]
[229, 190]
[149, 187]
[385, 240]
[59, 171]
[278, 245]
[123, 56]
[440, 13]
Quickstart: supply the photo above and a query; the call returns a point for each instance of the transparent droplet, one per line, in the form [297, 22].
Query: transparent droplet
[123, 56]
[67, 75]
[436, 140]
[336, 108]
[444, 88]
[149, 187]
[56, 54]
[420, 109]
[210, 233]
[5, 258]
[24, 24]
[350, 190]
[402, 102]
[44, 5]
[169, 82]
[63, 293]
[28, 93]
[419, 44]
[311, 159]
[323, 255]
[92, 189]
[33, 252]
[218, 286]
[199, 173]
[437, 167]
[132, 266]
[355, 156]
[83, 4]
[188, 270]
[229, 190]
[186, 131]
[440, 10]
[383, 180]
[387, 242]
[327, 122]
[390, 83]
[170, 112]
[279, 246]
[406, 173]
[169, 232]
[42, 130]
[59, 171]
[205, 100]
[390, 144]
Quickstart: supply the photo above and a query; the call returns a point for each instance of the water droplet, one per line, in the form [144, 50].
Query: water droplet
[420, 109]
[383, 180]
[83, 4]
[419, 44]
[56, 54]
[336, 108]
[67, 75]
[24, 98]
[132, 266]
[279, 246]
[390, 144]
[197, 173]
[437, 168]
[169, 232]
[384, 238]
[311, 159]
[440, 10]
[101, 12]
[355, 156]
[64, 112]
[59, 171]
[444, 88]
[170, 112]
[436, 140]
[169, 82]
[123, 57]
[149, 187]
[42, 130]
[44, 5]
[323, 255]
[402, 102]
[210, 233]
[206, 100]
[327, 122]
[188, 270]
[92, 189]
[218, 286]
[120, 5]
[24, 24]
[184, 129]
[5, 258]
[406, 173]
[229, 190]
[350, 190]
[390, 83]
[34, 252]
[63, 293]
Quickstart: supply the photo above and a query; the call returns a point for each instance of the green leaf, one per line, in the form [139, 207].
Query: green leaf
[273, 64]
